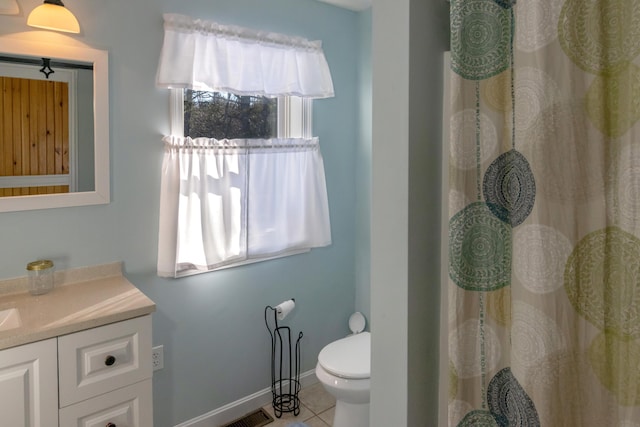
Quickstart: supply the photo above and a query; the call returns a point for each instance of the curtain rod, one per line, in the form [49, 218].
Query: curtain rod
[312, 145]
[35, 61]
[183, 23]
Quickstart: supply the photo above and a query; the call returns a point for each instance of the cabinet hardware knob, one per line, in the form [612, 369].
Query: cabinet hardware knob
[111, 425]
[110, 360]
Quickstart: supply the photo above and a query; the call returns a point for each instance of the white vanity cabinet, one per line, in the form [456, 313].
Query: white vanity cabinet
[29, 385]
[99, 377]
[78, 356]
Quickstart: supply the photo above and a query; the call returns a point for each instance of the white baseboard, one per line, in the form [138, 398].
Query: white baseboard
[240, 407]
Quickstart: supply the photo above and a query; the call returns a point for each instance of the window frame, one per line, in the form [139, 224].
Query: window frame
[295, 115]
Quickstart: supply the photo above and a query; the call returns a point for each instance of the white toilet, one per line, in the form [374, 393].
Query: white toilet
[344, 368]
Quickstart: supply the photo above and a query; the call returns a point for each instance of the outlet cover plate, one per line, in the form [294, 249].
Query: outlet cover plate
[157, 357]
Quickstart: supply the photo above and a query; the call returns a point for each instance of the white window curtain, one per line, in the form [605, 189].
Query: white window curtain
[204, 55]
[228, 202]
[231, 201]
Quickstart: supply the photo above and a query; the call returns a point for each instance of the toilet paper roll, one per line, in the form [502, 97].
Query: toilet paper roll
[284, 308]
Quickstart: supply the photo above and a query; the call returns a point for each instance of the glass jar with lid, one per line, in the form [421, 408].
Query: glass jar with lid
[40, 274]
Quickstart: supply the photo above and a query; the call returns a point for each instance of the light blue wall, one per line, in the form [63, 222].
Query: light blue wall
[409, 38]
[211, 325]
[429, 34]
[363, 169]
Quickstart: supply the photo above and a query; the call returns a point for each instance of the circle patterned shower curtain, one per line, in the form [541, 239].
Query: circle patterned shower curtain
[544, 213]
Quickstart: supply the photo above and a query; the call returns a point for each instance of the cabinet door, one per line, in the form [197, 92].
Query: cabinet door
[127, 407]
[29, 385]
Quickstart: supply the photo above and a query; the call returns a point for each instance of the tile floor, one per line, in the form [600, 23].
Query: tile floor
[316, 409]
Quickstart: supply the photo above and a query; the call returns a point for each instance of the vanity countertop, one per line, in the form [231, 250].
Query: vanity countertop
[73, 307]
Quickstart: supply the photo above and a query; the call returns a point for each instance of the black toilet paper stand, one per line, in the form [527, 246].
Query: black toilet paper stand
[285, 370]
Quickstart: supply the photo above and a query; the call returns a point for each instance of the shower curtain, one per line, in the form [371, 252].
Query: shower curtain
[544, 213]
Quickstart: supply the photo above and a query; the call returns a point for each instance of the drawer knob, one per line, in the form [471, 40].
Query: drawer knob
[111, 425]
[110, 360]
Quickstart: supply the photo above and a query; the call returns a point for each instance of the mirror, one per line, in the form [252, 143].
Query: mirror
[77, 135]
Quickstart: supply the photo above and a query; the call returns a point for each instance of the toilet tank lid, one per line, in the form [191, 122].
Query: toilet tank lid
[348, 357]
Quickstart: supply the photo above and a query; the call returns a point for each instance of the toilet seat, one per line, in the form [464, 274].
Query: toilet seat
[348, 357]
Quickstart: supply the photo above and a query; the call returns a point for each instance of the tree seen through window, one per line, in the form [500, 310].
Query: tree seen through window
[224, 115]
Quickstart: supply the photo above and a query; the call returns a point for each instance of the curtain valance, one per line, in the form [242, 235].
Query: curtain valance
[204, 55]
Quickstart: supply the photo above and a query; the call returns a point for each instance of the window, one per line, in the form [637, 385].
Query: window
[242, 178]
[266, 194]
[223, 115]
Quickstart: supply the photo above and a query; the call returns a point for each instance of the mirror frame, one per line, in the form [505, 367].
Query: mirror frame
[100, 59]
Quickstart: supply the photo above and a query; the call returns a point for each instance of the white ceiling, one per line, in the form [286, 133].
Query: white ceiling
[356, 5]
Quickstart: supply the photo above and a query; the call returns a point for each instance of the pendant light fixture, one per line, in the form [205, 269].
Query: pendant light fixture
[9, 7]
[52, 15]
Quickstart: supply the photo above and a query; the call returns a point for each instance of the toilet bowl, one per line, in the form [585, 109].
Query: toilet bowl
[344, 368]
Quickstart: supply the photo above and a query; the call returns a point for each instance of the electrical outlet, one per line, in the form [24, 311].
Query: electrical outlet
[157, 357]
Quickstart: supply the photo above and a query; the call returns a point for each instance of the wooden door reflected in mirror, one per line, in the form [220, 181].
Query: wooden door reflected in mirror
[34, 118]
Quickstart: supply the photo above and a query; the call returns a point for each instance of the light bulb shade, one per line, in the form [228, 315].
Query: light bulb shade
[9, 7]
[53, 17]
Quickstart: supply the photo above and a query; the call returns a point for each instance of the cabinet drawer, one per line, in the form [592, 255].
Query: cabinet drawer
[126, 407]
[102, 359]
